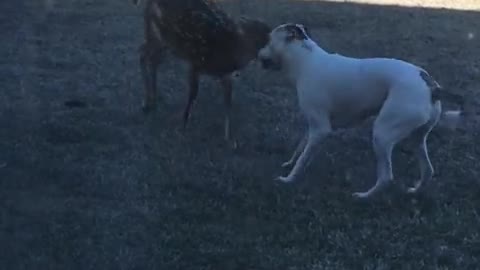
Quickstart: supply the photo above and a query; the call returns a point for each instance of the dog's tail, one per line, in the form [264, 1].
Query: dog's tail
[448, 119]
[438, 92]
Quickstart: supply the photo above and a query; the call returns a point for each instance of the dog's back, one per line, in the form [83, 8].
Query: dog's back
[355, 89]
[388, 69]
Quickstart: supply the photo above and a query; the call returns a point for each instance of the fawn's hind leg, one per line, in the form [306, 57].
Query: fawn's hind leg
[193, 77]
[150, 57]
[227, 85]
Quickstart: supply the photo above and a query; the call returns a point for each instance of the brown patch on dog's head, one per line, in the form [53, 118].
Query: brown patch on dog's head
[295, 32]
[280, 40]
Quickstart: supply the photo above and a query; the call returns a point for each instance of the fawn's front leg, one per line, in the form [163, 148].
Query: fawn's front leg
[149, 60]
[193, 77]
[227, 85]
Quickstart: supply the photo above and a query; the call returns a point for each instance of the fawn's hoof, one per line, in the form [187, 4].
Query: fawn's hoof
[148, 108]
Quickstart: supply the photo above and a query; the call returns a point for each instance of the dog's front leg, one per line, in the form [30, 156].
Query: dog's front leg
[193, 77]
[319, 128]
[298, 150]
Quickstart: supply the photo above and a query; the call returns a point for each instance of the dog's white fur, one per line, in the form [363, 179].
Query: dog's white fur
[339, 91]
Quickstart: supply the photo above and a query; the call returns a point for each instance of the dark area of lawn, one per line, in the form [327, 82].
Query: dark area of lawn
[99, 185]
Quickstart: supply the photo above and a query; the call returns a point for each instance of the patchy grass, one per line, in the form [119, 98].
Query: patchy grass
[102, 186]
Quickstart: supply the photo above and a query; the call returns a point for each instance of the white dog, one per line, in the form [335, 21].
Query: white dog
[338, 91]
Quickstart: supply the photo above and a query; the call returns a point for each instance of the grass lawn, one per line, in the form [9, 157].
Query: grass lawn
[104, 186]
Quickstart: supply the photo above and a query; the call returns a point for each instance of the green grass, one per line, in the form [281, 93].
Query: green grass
[106, 187]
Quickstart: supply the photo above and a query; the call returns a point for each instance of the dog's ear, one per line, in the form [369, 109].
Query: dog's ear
[296, 32]
[306, 30]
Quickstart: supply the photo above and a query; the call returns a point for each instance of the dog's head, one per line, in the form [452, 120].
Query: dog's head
[280, 39]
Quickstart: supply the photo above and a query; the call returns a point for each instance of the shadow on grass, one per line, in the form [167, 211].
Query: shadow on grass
[101, 186]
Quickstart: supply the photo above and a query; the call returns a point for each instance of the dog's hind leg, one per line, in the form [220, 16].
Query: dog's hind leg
[425, 165]
[426, 168]
[393, 124]
[318, 128]
[298, 150]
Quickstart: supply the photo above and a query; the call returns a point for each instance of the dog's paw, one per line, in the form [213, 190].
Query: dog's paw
[284, 179]
[287, 164]
[416, 187]
[360, 195]
[412, 190]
